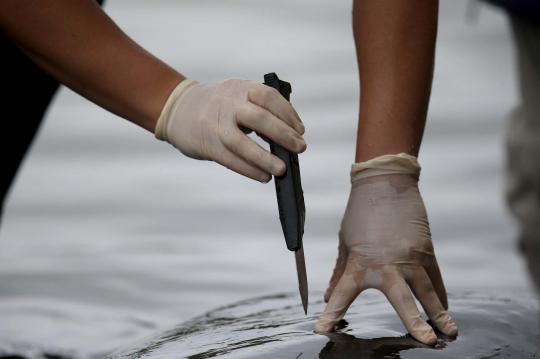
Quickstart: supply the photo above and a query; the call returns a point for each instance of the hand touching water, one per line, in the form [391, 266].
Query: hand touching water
[385, 243]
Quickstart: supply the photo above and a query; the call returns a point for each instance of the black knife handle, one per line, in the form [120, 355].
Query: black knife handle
[290, 196]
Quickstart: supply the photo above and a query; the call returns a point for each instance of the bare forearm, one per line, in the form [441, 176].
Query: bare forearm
[395, 43]
[78, 44]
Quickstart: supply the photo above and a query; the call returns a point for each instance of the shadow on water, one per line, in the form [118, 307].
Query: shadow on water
[274, 327]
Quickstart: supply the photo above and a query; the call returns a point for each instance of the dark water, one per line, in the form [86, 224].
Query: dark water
[274, 327]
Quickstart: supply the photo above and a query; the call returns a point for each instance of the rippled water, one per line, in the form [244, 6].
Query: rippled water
[110, 236]
[275, 327]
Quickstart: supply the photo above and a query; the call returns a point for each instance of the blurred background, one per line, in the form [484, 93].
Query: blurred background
[110, 235]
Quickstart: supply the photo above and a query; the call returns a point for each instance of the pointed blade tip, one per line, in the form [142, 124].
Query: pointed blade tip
[302, 277]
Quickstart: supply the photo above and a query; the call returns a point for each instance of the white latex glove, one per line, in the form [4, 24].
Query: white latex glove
[385, 243]
[210, 122]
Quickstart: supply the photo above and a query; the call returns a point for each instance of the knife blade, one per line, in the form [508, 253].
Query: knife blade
[290, 197]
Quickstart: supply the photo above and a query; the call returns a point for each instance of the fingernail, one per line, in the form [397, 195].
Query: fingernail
[450, 329]
[445, 324]
[323, 327]
[302, 129]
[327, 321]
[426, 335]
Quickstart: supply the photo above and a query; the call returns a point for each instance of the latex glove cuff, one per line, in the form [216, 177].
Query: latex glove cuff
[163, 121]
[401, 163]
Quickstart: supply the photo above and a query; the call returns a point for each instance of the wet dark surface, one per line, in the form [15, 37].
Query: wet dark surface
[275, 327]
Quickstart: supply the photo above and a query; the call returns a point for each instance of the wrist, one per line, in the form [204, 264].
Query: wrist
[389, 164]
[162, 121]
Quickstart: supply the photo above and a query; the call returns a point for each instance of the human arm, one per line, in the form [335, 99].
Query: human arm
[395, 45]
[78, 44]
[385, 240]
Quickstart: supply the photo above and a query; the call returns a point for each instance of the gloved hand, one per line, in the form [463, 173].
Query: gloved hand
[210, 122]
[385, 243]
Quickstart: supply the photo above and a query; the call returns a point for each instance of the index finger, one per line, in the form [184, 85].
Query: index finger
[345, 292]
[270, 99]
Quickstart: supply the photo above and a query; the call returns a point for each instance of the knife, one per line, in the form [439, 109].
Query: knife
[290, 197]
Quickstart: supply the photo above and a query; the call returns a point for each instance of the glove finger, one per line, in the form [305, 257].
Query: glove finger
[423, 290]
[270, 99]
[266, 124]
[434, 274]
[244, 147]
[238, 165]
[339, 268]
[349, 286]
[396, 290]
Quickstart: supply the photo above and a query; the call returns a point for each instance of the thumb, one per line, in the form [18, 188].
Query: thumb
[347, 289]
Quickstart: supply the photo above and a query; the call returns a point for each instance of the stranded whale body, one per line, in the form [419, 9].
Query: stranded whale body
[275, 327]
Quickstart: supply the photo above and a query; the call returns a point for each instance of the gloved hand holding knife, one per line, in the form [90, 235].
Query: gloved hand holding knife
[209, 122]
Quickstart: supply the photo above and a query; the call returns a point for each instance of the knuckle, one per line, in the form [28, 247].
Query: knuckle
[262, 94]
[254, 93]
[231, 81]
[242, 112]
[225, 135]
[233, 140]
[272, 93]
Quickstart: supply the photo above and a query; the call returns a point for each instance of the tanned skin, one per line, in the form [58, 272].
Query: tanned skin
[395, 46]
[79, 45]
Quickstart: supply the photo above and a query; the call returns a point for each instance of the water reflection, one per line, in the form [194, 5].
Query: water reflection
[274, 327]
[343, 345]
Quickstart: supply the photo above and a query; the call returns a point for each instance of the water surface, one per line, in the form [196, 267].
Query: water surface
[275, 327]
